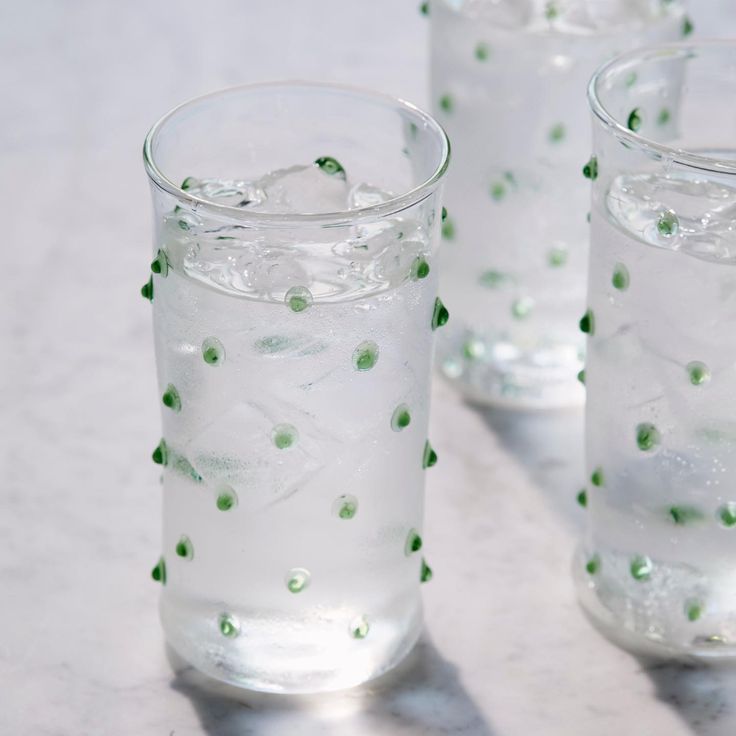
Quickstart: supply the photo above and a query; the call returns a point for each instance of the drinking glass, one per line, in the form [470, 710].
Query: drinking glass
[294, 294]
[508, 84]
[657, 568]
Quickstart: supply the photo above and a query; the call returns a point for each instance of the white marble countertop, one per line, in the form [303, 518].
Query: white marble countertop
[506, 651]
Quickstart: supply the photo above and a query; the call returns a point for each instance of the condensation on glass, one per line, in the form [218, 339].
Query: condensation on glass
[508, 84]
[657, 567]
[294, 292]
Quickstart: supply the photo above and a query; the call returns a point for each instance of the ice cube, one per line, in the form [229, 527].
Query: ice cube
[365, 195]
[234, 193]
[237, 450]
[304, 190]
[705, 213]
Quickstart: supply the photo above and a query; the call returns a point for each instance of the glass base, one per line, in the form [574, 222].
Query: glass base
[282, 654]
[652, 620]
[500, 373]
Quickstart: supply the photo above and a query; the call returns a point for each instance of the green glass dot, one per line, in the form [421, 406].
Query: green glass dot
[482, 51]
[446, 103]
[430, 456]
[425, 574]
[330, 166]
[687, 27]
[634, 120]
[147, 289]
[698, 372]
[419, 268]
[185, 548]
[556, 133]
[727, 515]
[298, 298]
[413, 542]
[583, 498]
[587, 218]
[159, 571]
[424, 8]
[593, 565]
[587, 323]
[345, 506]
[171, 398]
[229, 625]
[365, 356]
[664, 116]
[551, 11]
[581, 376]
[359, 627]
[620, 278]
[492, 279]
[448, 229]
[473, 349]
[640, 567]
[630, 80]
[590, 170]
[557, 257]
[440, 315]
[693, 610]
[521, 308]
[647, 436]
[668, 224]
[498, 191]
[401, 418]
[683, 515]
[596, 477]
[213, 351]
[297, 579]
[284, 436]
[227, 499]
[161, 454]
[184, 225]
[160, 264]
[444, 214]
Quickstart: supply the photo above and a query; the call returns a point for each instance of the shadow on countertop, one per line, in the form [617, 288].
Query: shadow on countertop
[701, 695]
[423, 695]
[549, 444]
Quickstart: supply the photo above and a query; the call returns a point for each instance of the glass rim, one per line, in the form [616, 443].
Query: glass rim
[634, 59]
[392, 206]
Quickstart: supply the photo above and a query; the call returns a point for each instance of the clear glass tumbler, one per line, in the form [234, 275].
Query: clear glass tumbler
[508, 85]
[294, 293]
[657, 569]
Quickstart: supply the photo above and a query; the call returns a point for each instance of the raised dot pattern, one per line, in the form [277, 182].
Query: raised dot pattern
[185, 548]
[297, 579]
[365, 356]
[213, 351]
[284, 436]
[228, 625]
[345, 506]
[298, 298]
